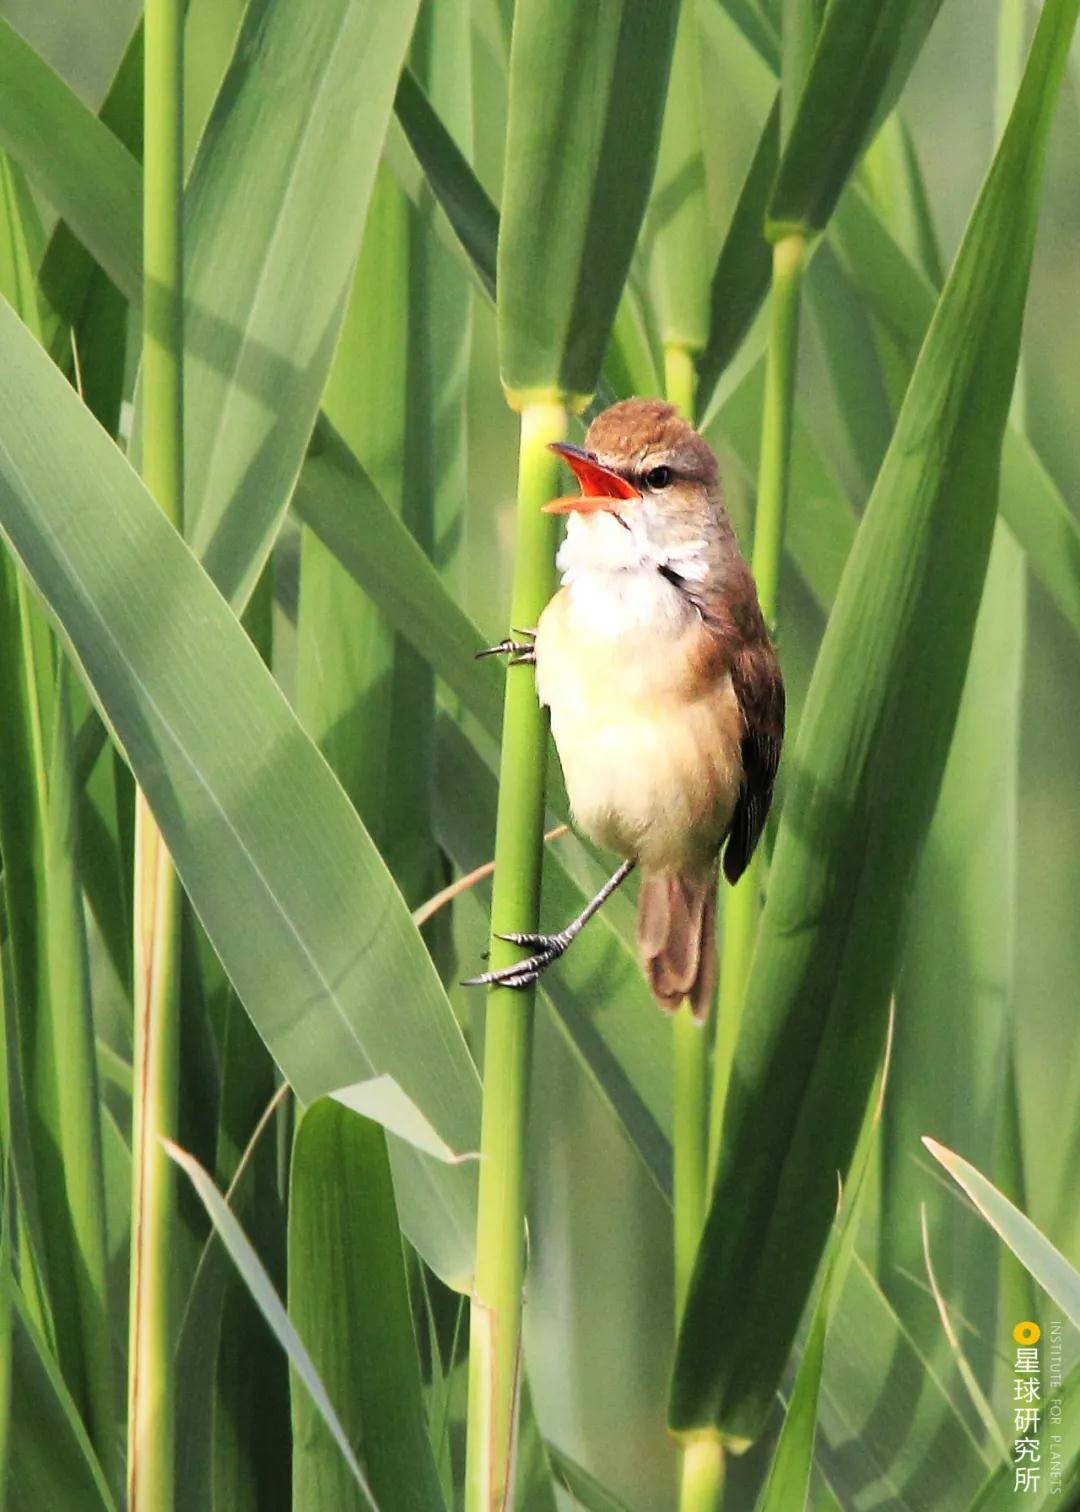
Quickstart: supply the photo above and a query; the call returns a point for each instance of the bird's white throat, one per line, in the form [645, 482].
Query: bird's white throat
[613, 574]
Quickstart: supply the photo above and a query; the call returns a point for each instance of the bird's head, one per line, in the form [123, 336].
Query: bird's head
[646, 471]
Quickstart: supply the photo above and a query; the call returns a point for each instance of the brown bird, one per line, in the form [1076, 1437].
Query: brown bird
[666, 698]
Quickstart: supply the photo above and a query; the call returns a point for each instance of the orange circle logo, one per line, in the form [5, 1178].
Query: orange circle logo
[1027, 1333]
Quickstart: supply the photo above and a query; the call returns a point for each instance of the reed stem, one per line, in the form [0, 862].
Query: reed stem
[690, 1042]
[701, 1470]
[156, 891]
[743, 903]
[495, 1322]
[702, 1473]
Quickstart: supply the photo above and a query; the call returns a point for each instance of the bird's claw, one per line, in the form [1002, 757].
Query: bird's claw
[521, 653]
[522, 973]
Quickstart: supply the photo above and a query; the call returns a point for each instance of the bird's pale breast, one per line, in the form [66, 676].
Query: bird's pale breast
[646, 724]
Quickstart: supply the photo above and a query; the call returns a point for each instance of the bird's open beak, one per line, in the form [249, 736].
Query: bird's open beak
[600, 487]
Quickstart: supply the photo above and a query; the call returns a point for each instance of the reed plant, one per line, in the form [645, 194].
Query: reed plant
[293, 302]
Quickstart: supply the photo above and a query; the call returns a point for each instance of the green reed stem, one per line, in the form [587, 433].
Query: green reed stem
[702, 1488]
[690, 1042]
[742, 905]
[691, 1070]
[702, 1460]
[156, 892]
[495, 1323]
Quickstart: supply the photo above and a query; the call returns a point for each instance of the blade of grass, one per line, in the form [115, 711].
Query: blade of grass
[348, 1299]
[1047, 1265]
[828, 945]
[555, 312]
[889, 1432]
[471, 213]
[258, 348]
[346, 681]
[959, 949]
[76, 161]
[744, 266]
[586, 1490]
[903, 300]
[262, 1290]
[858, 66]
[676, 227]
[294, 898]
[70, 1101]
[23, 806]
[967, 1375]
[51, 1461]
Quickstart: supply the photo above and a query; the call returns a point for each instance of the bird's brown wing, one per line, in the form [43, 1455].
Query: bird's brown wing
[759, 689]
[738, 643]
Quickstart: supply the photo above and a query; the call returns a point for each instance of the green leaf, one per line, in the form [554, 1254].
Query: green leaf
[294, 139]
[348, 1298]
[959, 949]
[587, 87]
[346, 687]
[586, 1490]
[72, 157]
[288, 885]
[862, 57]
[865, 773]
[1047, 1265]
[340, 503]
[889, 1433]
[902, 299]
[67, 1103]
[50, 1460]
[744, 268]
[821, 524]
[468, 208]
[677, 222]
[262, 1290]
[293, 142]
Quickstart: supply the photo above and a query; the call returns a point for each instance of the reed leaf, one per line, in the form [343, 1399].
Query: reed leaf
[50, 1459]
[902, 300]
[575, 74]
[72, 157]
[862, 56]
[259, 1284]
[1046, 1264]
[194, 708]
[816, 1000]
[960, 948]
[677, 231]
[349, 1301]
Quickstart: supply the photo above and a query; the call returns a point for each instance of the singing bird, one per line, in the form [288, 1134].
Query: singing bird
[664, 690]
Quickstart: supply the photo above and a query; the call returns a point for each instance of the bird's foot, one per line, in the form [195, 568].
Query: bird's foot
[521, 653]
[548, 949]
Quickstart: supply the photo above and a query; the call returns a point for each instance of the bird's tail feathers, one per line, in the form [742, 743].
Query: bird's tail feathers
[676, 928]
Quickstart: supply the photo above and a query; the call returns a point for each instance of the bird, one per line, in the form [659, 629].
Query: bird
[664, 690]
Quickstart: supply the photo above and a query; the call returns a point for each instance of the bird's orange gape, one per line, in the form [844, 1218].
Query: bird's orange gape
[600, 487]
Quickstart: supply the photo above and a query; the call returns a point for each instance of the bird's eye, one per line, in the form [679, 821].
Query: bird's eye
[659, 477]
